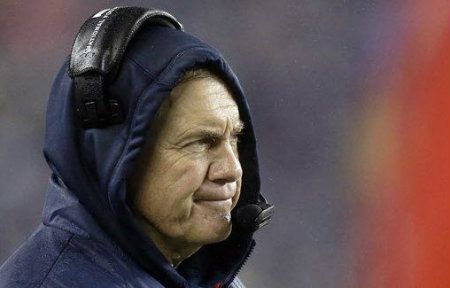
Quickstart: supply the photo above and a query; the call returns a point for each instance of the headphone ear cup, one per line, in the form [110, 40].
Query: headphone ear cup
[96, 55]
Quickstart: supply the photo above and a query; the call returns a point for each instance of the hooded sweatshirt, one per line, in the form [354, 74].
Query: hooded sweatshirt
[89, 236]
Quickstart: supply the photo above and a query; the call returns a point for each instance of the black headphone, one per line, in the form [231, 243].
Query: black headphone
[96, 56]
[95, 59]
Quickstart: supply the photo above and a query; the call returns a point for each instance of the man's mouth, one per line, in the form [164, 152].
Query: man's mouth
[223, 193]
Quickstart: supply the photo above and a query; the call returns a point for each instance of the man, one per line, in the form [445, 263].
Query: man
[148, 202]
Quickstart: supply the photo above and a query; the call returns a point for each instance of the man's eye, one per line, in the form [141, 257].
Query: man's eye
[203, 143]
[211, 142]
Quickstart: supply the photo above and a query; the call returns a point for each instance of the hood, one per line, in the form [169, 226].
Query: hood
[94, 164]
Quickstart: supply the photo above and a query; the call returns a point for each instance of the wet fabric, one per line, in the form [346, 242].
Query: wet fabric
[88, 236]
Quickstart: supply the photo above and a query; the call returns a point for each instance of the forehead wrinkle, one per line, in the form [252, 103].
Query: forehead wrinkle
[215, 88]
[202, 116]
[209, 106]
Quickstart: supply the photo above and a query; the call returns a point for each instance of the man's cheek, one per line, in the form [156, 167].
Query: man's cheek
[185, 210]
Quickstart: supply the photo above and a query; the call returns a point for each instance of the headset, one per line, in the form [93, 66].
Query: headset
[95, 59]
[96, 56]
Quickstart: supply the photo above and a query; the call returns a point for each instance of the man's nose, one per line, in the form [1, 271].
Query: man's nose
[225, 165]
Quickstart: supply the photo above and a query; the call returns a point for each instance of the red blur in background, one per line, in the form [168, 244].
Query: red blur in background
[406, 208]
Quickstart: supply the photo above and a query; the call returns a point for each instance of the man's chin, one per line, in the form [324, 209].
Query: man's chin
[215, 234]
[212, 222]
[225, 233]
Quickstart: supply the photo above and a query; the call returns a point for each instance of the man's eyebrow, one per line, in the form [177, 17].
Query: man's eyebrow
[208, 134]
[212, 133]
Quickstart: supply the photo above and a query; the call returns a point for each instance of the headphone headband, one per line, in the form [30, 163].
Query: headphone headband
[103, 38]
[97, 53]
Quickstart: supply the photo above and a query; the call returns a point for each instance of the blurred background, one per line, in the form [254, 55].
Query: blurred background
[351, 103]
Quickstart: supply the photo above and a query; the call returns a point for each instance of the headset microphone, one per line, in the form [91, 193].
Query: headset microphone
[254, 216]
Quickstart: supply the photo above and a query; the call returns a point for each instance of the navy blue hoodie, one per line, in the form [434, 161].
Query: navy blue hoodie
[88, 236]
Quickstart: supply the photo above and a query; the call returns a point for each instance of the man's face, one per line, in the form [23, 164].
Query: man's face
[189, 177]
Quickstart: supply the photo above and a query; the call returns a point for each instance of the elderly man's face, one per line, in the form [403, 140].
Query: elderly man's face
[189, 176]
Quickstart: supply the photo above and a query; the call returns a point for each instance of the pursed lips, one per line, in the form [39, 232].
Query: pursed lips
[221, 193]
